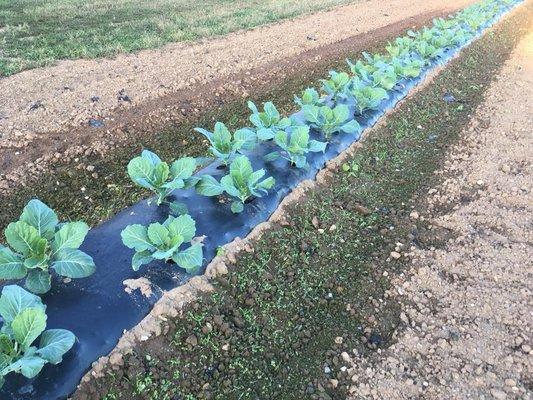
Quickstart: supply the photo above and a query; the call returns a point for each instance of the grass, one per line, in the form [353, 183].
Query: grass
[34, 34]
[269, 330]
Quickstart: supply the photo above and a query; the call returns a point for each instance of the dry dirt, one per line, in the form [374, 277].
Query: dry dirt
[36, 104]
[467, 307]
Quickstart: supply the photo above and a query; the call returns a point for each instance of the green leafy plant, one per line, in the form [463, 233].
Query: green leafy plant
[241, 183]
[336, 83]
[426, 50]
[384, 76]
[366, 97]
[407, 67]
[267, 122]
[309, 97]
[295, 145]
[224, 145]
[24, 321]
[38, 243]
[163, 242]
[331, 120]
[149, 172]
[361, 70]
[401, 47]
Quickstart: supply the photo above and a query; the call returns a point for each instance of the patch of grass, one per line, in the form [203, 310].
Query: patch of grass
[269, 331]
[34, 34]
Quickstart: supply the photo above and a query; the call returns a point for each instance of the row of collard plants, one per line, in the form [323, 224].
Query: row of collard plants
[40, 246]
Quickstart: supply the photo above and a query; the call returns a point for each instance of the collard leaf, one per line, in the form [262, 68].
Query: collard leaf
[190, 258]
[136, 237]
[150, 156]
[11, 265]
[29, 366]
[141, 171]
[141, 258]
[70, 236]
[177, 208]
[272, 156]
[54, 343]
[183, 226]
[312, 114]
[267, 183]
[229, 186]
[25, 238]
[38, 281]
[316, 146]
[14, 299]
[237, 207]
[41, 217]
[6, 345]
[183, 167]
[247, 137]
[158, 234]
[240, 170]
[28, 325]
[209, 186]
[351, 127]
[73, 263]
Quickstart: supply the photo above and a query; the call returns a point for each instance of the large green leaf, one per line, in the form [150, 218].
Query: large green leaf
[183, 168]
[240, 170]
[14, 299]
[70, 236]
[229, 186]
[25, 238]
[11, 265]
[190, 258]
[209, 186]
[5, 360]
[141, 171]
[29, 366]
[136, 237]
[38, 281]
[158, 234]
[41, 217]
[150, 156]
[300, 137]
[184, 226]
[28, 325]
[73, 263]
[141, 258]
[54, 343]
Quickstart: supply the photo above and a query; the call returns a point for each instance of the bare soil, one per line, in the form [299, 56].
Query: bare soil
[466, 307]
[46, 111]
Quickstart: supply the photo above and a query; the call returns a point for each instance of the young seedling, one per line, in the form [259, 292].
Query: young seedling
[224, 145]
[149, 172]
[295, 145]
[336, 83]
[384, 76]
[267, 122]
[24, 321]
[310, 97]
[38, 243]
[241, 183]
[330, 120]
[163, 242]
[366, 97]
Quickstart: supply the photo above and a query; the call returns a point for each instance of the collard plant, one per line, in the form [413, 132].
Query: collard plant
[241, 183]
[149, 172]
[295, 145]
[336, 83]
[267, 122]
[331, 120]
[407, 67]
[164, 242]
[225, 145]
[39, 243]
[24, 321]
[366, 97]
[310, 97]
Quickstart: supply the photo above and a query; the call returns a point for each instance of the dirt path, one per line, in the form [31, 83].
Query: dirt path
[69, 94]
[468, 306]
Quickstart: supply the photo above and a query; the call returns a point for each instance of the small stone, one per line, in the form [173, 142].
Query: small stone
[90, 168]
[505, 168]
[225, 347]
[510, 382]
[338, 340]
[192, 340]
[480, 182]
[332, 228]
[346, 357]
[315, 222]
[498, 394]
[395, 255]
[414, 215]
